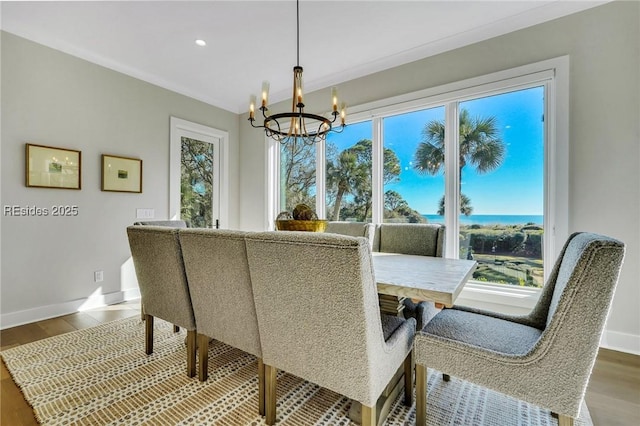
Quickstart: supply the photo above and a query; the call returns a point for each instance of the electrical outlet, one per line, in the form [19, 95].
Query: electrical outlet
[98, 276]
[145, 213]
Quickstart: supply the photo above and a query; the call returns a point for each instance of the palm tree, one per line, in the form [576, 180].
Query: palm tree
[346, 174]
[350, 174]
[465, 206]
[480, 146]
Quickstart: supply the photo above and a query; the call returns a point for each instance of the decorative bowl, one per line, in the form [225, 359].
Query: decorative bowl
[301, 225]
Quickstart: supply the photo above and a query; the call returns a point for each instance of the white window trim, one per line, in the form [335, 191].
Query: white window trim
[180, 128]
[554, 74]
[272, 181]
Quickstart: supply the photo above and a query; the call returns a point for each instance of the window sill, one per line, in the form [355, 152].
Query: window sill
[499, 297]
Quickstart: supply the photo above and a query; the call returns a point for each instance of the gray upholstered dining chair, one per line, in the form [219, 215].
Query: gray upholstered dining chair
[356, 229]
[421, 239]
[157, 258]
[417, 239]
[221, 294]
[172, 224]
[318, 316]
[544, 358]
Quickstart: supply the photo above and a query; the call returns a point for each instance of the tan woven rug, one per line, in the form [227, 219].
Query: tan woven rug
[101, 376]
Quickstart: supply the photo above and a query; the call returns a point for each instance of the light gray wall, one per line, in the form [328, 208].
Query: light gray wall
[604, 127]
[51, 98]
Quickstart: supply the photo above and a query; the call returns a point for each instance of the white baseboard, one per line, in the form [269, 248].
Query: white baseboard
[622, 342]
[13, 319]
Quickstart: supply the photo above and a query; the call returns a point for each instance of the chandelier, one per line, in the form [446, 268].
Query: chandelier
[297, 125]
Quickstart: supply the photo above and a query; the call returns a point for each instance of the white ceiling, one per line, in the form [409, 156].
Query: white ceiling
[252, 41]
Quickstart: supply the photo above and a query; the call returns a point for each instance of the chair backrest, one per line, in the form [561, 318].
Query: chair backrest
[157, 258]
[574, 265]
[169, 223]
[589, 265]
[423, 239]
[356, 229]
[317, 308]
[572, 312]
[220, 286]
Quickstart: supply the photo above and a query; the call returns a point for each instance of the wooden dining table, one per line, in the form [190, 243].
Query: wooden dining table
[427, 278]
[420, 278]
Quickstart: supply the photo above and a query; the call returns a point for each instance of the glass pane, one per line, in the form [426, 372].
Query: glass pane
[413, 167]
[502, 186]
[297, 175]
[349, 168]
[196, 183]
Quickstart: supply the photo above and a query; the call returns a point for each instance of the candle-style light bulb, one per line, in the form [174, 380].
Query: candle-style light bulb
[334, 98]
[299, 95]
[343, 113]
[252, 107]
[265, 93]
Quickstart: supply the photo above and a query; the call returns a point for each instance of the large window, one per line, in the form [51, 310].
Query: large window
[348, 174]
[501, 163]
[487, 157]
[412, 195]
[297, 175]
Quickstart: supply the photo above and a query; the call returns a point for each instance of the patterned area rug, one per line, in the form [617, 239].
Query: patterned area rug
[101, 376]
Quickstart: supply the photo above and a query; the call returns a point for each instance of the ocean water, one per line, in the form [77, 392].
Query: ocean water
[490, 219]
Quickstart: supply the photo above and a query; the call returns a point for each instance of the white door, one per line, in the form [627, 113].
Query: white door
[197, 181]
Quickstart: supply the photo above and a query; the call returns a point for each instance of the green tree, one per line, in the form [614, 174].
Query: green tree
[465, 206]
[196, 183]
[298, 174]
[349, 174]
[396, 208]
[344, 174]
[480, 147]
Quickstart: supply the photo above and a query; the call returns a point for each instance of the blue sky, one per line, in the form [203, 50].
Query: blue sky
[515, 188]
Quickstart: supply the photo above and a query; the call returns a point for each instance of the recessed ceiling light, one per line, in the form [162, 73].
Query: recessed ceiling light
[201, 43]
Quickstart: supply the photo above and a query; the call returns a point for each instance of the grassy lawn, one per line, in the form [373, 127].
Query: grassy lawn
[506, 269]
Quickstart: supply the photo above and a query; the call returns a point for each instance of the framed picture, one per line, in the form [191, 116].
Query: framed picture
[50, 167]
[121, 174]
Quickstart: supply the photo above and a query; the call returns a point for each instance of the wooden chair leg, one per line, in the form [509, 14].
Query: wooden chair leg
[408, 379]
[142, 317]
[148, 334]
[565, 420]
[421, 395]
[191, 353]
[203, 357]
[176, 329]
[271, 381]
[368, 416]
[261, 396]
[446, 377]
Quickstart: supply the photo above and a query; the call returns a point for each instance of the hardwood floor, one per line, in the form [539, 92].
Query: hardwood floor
[613, 394]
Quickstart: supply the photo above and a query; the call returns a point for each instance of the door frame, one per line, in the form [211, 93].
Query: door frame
[182, 128]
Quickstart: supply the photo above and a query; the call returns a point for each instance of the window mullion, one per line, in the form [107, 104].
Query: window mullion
[452, 179]
[321, 169]
[377, 184]
[273, 181]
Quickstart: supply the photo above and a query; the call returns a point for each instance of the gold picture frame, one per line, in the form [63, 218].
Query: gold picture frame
[121, 174]
[52, 167]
